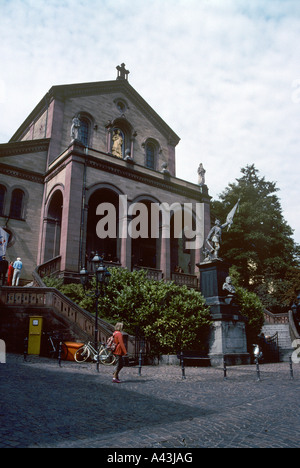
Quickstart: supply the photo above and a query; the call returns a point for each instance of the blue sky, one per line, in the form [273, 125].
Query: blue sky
[224, 74]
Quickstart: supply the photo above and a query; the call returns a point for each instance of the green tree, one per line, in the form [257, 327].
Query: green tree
[251, 307]
[260, 242]
[171, 317]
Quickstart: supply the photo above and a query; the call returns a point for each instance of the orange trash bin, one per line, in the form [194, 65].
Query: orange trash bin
[72, 348]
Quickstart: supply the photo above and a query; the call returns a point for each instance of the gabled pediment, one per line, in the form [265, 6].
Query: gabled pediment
[65, 92]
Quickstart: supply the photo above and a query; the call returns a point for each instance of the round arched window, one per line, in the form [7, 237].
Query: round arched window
[150, 155]
[17, 204]
[84, 131]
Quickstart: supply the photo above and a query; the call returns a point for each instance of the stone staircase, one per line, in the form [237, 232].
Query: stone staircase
[60, 315]
[284, 338]
[58, 312]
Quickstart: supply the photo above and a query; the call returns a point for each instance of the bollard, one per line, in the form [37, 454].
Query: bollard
[140, 363]
[25, 348]
[257, 370]
[182, 366]
[224, 368]
[59, 353]
[291, 369]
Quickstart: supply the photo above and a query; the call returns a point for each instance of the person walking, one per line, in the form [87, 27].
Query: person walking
[17, 271]
[10, 274]
[119, 352]
[3, 270]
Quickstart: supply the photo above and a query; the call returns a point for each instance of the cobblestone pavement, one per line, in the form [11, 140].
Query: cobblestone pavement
[43, 405]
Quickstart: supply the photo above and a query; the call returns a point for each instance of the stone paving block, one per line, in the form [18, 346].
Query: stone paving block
[43, 405]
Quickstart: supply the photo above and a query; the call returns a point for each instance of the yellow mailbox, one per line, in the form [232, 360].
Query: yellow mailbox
[35, 335]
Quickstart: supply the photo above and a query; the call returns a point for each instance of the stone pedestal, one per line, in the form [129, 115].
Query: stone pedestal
[228, 334]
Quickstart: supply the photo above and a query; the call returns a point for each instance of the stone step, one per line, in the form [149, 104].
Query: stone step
[283, 330]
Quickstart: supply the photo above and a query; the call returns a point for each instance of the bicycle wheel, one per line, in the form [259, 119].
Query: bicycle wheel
[106, 357]
[82, 354]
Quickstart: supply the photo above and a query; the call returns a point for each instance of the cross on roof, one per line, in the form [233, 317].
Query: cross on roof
[122, 72]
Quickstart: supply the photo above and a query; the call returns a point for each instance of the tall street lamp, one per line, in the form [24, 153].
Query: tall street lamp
[102, 276]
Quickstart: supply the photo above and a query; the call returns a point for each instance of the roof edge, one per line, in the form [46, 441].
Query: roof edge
[24, 146]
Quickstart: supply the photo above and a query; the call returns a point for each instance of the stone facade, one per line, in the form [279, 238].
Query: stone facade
[64, 179]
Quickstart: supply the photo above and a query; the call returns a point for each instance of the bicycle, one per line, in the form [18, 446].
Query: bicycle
[56, 348]
[103, 356]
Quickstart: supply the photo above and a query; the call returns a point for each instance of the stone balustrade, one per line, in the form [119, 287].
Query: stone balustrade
[39, 297]
[275, 318]
[184, 279]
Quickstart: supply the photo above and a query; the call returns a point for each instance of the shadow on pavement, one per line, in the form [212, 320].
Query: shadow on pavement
[46, 406]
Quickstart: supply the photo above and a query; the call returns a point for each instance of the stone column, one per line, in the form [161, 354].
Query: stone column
[165, 251]
[125, 239]
[71, 217]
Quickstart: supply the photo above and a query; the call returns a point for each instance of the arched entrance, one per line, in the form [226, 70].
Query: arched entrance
[102, 225]
[53, 226]
[144, 251]
[182, 257]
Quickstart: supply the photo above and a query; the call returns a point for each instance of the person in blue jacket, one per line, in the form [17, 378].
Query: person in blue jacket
[18, 265]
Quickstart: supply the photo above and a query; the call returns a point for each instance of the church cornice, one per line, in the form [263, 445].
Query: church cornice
[126, 170]
[20, 173]
[24, 147]
[166, 183]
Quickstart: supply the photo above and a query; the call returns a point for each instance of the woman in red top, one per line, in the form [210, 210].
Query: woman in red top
[119, 352]
[10, 274]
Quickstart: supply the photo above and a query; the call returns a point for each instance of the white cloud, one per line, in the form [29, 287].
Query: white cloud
[224, 74]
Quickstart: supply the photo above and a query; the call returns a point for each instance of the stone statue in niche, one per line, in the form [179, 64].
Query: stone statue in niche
[117, 144]
[75, 129]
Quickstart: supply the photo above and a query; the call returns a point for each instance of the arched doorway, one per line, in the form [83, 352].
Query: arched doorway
[181, 234]
[53, 226]
[102, 225]
[144, 251]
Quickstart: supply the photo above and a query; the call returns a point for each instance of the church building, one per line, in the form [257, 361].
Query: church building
[91, 157]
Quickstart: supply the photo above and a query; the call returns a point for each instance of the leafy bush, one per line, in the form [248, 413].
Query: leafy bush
[53, 282]
[171, 317]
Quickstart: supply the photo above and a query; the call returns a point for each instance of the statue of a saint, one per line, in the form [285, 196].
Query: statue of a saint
[75, 129]
[117, 144]
[201, 175]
